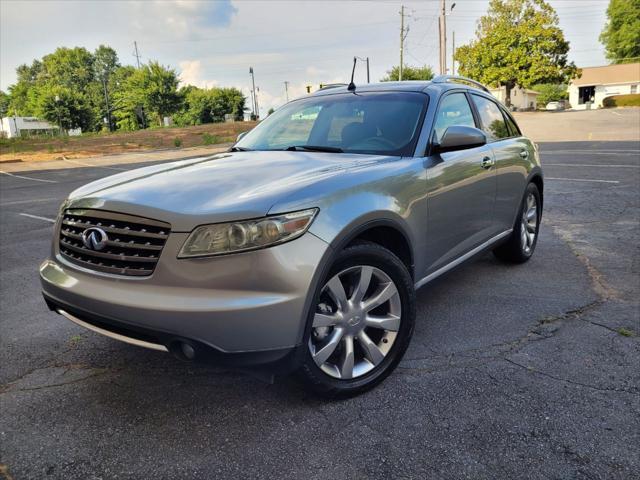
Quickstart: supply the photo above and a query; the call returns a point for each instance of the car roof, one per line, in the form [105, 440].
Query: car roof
[405, 86]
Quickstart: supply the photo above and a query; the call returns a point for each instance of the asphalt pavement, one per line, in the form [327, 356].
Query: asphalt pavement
[528, 371]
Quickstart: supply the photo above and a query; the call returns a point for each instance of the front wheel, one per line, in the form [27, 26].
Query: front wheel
[360, 323]
[521, 244]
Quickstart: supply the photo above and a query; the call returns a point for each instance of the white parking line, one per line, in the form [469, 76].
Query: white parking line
[65, 159]
[545, 164]
[581, 180]
[52, 220]
[28, 178]
[36, 200]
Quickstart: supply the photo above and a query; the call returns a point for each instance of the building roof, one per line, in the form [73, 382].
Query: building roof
[609, 74]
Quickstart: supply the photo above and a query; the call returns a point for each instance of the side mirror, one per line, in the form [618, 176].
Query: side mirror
[459, 137]
[239, 137]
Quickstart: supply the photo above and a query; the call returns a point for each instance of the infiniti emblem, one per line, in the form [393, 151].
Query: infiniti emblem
[353, 321]
[94, 238]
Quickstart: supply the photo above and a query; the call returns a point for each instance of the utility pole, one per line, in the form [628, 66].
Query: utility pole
[286, 90]
[106, 101]
[253, 90]
[368, 77]
[453, 52]
[401, 43]
[136, 54]
[443, 37]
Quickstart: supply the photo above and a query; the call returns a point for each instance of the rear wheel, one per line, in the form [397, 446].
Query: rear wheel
[361, 322]
[521, 244]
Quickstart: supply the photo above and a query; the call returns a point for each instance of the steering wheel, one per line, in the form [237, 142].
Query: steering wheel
[380, 141]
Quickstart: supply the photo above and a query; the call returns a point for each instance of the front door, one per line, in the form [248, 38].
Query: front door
[461, 188]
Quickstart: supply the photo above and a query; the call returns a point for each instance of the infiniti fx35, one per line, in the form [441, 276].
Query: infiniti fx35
[302, 246]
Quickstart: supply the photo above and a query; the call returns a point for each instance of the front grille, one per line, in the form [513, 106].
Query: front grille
[132, 248]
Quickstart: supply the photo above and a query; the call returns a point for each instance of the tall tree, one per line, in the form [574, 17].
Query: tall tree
[518, 43]
[408, 73]
[105, 64]
[4, 104]
[160, 89]
[621, 34]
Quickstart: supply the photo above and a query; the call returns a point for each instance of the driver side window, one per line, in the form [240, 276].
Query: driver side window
[454, 109]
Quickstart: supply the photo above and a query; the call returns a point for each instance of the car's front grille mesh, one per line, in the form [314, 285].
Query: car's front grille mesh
[132, 247]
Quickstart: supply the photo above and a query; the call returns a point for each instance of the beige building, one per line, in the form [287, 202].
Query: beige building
[521, 98]
[598, 83]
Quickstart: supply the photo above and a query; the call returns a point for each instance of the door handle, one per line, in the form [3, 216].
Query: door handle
[524, 153]
[487, 162]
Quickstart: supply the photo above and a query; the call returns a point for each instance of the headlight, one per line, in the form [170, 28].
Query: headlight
[224, 238]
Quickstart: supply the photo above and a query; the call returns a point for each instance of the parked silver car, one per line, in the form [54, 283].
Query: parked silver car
[302, 246]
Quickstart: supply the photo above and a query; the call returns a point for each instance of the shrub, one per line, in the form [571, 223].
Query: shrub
[208, 139]
[177, 142]
[631, 100]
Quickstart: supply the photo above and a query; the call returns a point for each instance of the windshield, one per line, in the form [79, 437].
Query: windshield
[384, 123]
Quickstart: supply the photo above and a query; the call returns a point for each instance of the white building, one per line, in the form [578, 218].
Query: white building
[521, 98]
[598, 83]
[11, 127]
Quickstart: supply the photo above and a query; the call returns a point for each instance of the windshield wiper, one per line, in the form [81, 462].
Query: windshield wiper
[239, 149]
[315, 148]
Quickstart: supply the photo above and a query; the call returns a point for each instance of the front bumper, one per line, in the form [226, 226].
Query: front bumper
[236, 304]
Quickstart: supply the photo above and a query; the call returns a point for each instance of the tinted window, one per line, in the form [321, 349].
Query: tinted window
[491, 118]
[454, 109]
[377, 123]
[513, 128]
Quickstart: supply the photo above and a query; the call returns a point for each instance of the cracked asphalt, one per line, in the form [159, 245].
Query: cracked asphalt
[527, 371]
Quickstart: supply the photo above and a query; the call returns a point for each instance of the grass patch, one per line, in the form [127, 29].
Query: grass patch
[208, 139]
[177, 142]
[625, 332]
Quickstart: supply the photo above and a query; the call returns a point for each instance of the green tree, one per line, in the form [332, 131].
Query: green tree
[4, 104]
[408, 73]
[621, 34]
[209, 105]
[518, 42]
[68, 67]
[21, 95]
[551, 92]
[64, 107]
[160, 90]
[105, 64]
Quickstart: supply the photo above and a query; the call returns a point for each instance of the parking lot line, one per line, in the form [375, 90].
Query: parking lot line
[581, 180]
[89, 165]
[588, 165]
[28, 178]
[35, 200]
[52, 220]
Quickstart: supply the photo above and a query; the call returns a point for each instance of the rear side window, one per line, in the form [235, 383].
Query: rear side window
[513, 128]
[493, 123]
[454, 109]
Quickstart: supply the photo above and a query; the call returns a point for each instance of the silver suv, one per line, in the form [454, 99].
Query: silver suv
[302, 246]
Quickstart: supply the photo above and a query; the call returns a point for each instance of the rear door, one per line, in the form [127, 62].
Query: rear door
[461, 189]
[513, 154]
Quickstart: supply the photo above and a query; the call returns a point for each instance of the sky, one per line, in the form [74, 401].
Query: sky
[300, 42]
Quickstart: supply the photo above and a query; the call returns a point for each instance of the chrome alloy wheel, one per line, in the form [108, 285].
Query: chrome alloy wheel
[356, 322]
[529, 226]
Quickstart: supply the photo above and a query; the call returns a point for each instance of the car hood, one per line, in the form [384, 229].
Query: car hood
[219, 188]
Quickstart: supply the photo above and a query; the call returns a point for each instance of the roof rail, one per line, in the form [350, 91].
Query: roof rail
[454, 78]
[331, 85]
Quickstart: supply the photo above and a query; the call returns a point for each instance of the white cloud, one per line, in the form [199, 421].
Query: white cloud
[191, 74]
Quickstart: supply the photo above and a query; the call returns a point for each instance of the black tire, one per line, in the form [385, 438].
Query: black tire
[515, 250]
[362, 254]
